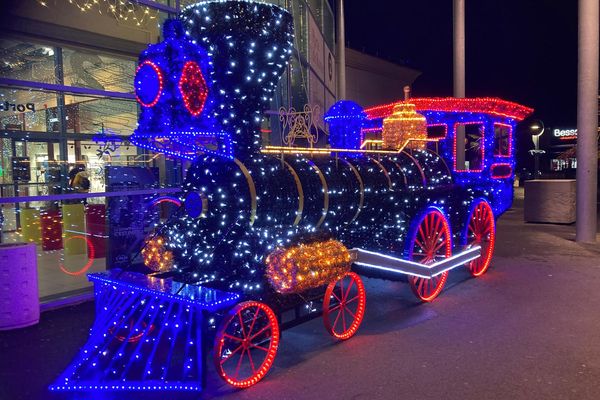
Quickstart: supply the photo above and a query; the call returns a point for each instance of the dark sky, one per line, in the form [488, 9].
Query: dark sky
[519, 50]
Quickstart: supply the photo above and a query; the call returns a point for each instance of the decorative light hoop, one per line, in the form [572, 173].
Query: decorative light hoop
[361, 184]
[160, 83]
[300, 192]
[251, 188]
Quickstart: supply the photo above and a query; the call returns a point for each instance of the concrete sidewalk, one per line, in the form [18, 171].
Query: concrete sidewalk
[528, 329]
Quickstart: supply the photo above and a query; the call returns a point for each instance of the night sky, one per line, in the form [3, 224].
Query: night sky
[519, 50]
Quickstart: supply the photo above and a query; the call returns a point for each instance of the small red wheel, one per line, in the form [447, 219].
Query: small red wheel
[246, 344]
[344, 304]
[481, 231]
[430, 242]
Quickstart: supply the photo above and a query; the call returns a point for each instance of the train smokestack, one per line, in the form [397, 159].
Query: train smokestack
[250, 44]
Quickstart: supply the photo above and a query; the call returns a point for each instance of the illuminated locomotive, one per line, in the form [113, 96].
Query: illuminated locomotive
[289, 230]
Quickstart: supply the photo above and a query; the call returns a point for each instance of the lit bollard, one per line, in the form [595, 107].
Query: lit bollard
[19, 301]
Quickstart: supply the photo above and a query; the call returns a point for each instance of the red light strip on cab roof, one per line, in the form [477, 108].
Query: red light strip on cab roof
[486, 105]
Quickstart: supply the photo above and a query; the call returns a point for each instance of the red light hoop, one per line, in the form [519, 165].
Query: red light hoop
[87, 266]
[129, 337]
[166, 199]
[193, 88]
[160, 83]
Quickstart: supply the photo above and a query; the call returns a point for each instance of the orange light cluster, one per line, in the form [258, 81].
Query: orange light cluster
[486, 105]
[307, 266]
[405, 127]
[156, 256]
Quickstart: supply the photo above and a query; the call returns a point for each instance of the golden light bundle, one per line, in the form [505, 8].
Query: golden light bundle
[307, 266]
[156, 256]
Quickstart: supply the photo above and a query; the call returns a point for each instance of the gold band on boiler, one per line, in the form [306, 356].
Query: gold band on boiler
[402, 172]
[385, 171]
[300, 193]
[416, 163]
[251, 188]
[361, 202]
[325, 194]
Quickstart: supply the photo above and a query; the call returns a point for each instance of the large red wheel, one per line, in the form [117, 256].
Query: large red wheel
[481, 231]
[246, 344]
[344, 306]
[430, 242]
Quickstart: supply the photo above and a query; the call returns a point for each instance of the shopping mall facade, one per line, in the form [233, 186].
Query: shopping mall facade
[67, 101]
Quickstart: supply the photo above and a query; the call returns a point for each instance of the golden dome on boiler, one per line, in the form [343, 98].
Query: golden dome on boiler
[405, 127]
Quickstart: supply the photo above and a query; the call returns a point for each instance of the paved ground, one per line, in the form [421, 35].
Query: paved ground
[529, 329]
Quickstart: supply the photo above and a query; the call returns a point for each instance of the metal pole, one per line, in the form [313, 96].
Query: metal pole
[62, 122]
[459, 48]
[341, 50]
[458, 12]
[587, 122]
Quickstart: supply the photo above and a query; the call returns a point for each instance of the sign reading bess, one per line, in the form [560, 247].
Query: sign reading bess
[565, 133]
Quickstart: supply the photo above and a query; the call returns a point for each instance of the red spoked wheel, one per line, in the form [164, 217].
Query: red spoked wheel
[344, 306]
[431, 242]
[481, 231]
[246, 344]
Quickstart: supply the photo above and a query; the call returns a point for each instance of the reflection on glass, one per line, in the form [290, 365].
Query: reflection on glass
[35, 106]
[299, 78]
[299, 11]
[316, 7]
[98, 71]
[27, 61]
[83, 114]
[93, 115]
[328, 26]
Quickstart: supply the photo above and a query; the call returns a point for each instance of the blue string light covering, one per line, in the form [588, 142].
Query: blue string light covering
[147, 335]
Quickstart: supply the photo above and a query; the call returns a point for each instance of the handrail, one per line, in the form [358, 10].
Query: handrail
[79, 196]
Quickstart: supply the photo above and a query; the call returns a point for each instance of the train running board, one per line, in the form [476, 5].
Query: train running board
[148, 335]
[368, 261]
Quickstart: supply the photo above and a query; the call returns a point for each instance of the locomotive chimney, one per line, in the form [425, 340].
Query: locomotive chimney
[406, 93]
[249, 44]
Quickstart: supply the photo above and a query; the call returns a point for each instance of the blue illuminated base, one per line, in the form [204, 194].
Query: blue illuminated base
[147, 335]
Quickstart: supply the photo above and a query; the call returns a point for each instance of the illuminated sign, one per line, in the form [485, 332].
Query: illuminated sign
[565, 134]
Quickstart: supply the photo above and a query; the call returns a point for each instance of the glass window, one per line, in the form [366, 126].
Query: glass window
[316, 7]
[502, 140]
[27, 61]
[27, 110]
[92, 115]
[37, 111]
[299, 11]
[328, 26]
[469, 155]
[299, 84]
[437, 131]
[87, 69]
